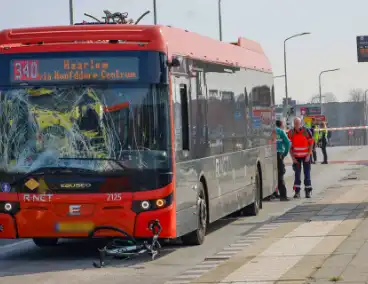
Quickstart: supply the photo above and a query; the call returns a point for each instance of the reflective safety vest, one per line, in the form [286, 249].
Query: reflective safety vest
[316, 134]
[300, 142]
[325, 131]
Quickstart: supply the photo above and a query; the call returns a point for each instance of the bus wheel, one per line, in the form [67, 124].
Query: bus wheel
[253, 208]
[45, 242]
[197, 237]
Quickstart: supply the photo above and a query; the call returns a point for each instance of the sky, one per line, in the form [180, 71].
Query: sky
[333, 24]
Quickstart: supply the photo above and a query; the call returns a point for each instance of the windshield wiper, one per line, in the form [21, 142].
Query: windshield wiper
[117, 162]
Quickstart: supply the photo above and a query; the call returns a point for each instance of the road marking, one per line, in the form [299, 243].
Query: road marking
[233, 248]
[240, 245]
[207, 267]
[187, 276]
[212, 262]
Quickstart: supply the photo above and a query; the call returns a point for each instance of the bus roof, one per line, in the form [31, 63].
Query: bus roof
[174, 41]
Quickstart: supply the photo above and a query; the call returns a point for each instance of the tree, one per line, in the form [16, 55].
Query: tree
[356, 95]
[329, 98]
[326, 98]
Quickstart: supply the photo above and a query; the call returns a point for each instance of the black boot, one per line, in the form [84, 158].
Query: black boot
[308, 193]
[297, 194]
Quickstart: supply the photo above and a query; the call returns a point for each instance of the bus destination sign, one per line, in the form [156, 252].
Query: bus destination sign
[59, 70]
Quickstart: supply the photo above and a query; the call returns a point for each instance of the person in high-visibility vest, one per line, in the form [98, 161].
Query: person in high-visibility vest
[324, 141]
[315, 133]
[301, 149]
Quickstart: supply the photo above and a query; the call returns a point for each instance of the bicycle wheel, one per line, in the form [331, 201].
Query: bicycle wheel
[114, 229]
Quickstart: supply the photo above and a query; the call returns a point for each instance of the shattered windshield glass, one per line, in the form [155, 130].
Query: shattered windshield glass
[84, 127]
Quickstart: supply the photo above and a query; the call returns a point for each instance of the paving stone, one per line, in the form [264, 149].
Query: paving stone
[357, 269]
[350, 246]
[304, 268]
[333, 266]
[327, 245]
[346, 227]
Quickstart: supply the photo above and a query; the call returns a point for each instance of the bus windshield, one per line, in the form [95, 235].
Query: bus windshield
[84, 127]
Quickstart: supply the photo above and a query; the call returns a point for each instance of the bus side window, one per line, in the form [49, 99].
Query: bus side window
[273, 96]
[184, 116]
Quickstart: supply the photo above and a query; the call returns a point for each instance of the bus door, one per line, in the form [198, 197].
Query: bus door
[186, 174]
[199, 115]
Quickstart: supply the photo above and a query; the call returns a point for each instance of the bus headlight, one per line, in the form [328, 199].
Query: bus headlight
[8, 207]
[153, 204]
[145, 205]
[160, 203]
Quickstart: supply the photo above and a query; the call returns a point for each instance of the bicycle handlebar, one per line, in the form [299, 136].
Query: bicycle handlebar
[127, 251]
[117, 18]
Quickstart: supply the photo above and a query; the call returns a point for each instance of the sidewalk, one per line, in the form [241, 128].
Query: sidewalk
[323, 240]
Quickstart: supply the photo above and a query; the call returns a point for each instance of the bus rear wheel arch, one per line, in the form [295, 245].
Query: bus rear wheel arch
[197, 237]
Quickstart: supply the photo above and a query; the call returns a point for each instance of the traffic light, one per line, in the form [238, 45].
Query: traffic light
[291, 106]
[288, 124]
[291, 111]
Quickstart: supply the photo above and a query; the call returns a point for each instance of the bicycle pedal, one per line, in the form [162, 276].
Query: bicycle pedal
[154, 254]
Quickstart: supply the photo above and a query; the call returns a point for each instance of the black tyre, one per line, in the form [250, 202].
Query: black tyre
[197, 237]
[253, 209]
[45, 242]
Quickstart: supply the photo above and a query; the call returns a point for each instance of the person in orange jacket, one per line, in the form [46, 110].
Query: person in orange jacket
[301, 150]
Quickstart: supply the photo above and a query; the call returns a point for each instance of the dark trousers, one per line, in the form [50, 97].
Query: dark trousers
[324, 150]
[298, 171]
[314, 152]
[280, 175]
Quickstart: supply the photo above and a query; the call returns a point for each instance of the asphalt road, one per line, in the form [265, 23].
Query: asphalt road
[71, 262]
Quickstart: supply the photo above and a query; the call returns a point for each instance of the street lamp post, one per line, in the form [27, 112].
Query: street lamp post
[320, 85]
[71, 13]
[220, 19]
[155, 12]
[285, 71]
[365, 117]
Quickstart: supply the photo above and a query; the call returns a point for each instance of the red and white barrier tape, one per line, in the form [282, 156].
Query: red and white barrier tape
[345, 128]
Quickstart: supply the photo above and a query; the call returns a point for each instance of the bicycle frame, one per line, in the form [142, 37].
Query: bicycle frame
[126, 251]
[117, 18]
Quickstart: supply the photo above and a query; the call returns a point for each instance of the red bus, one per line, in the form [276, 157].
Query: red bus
[119, 125]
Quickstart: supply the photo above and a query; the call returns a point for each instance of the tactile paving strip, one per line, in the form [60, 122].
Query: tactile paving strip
[242, 243]
[217, 259]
